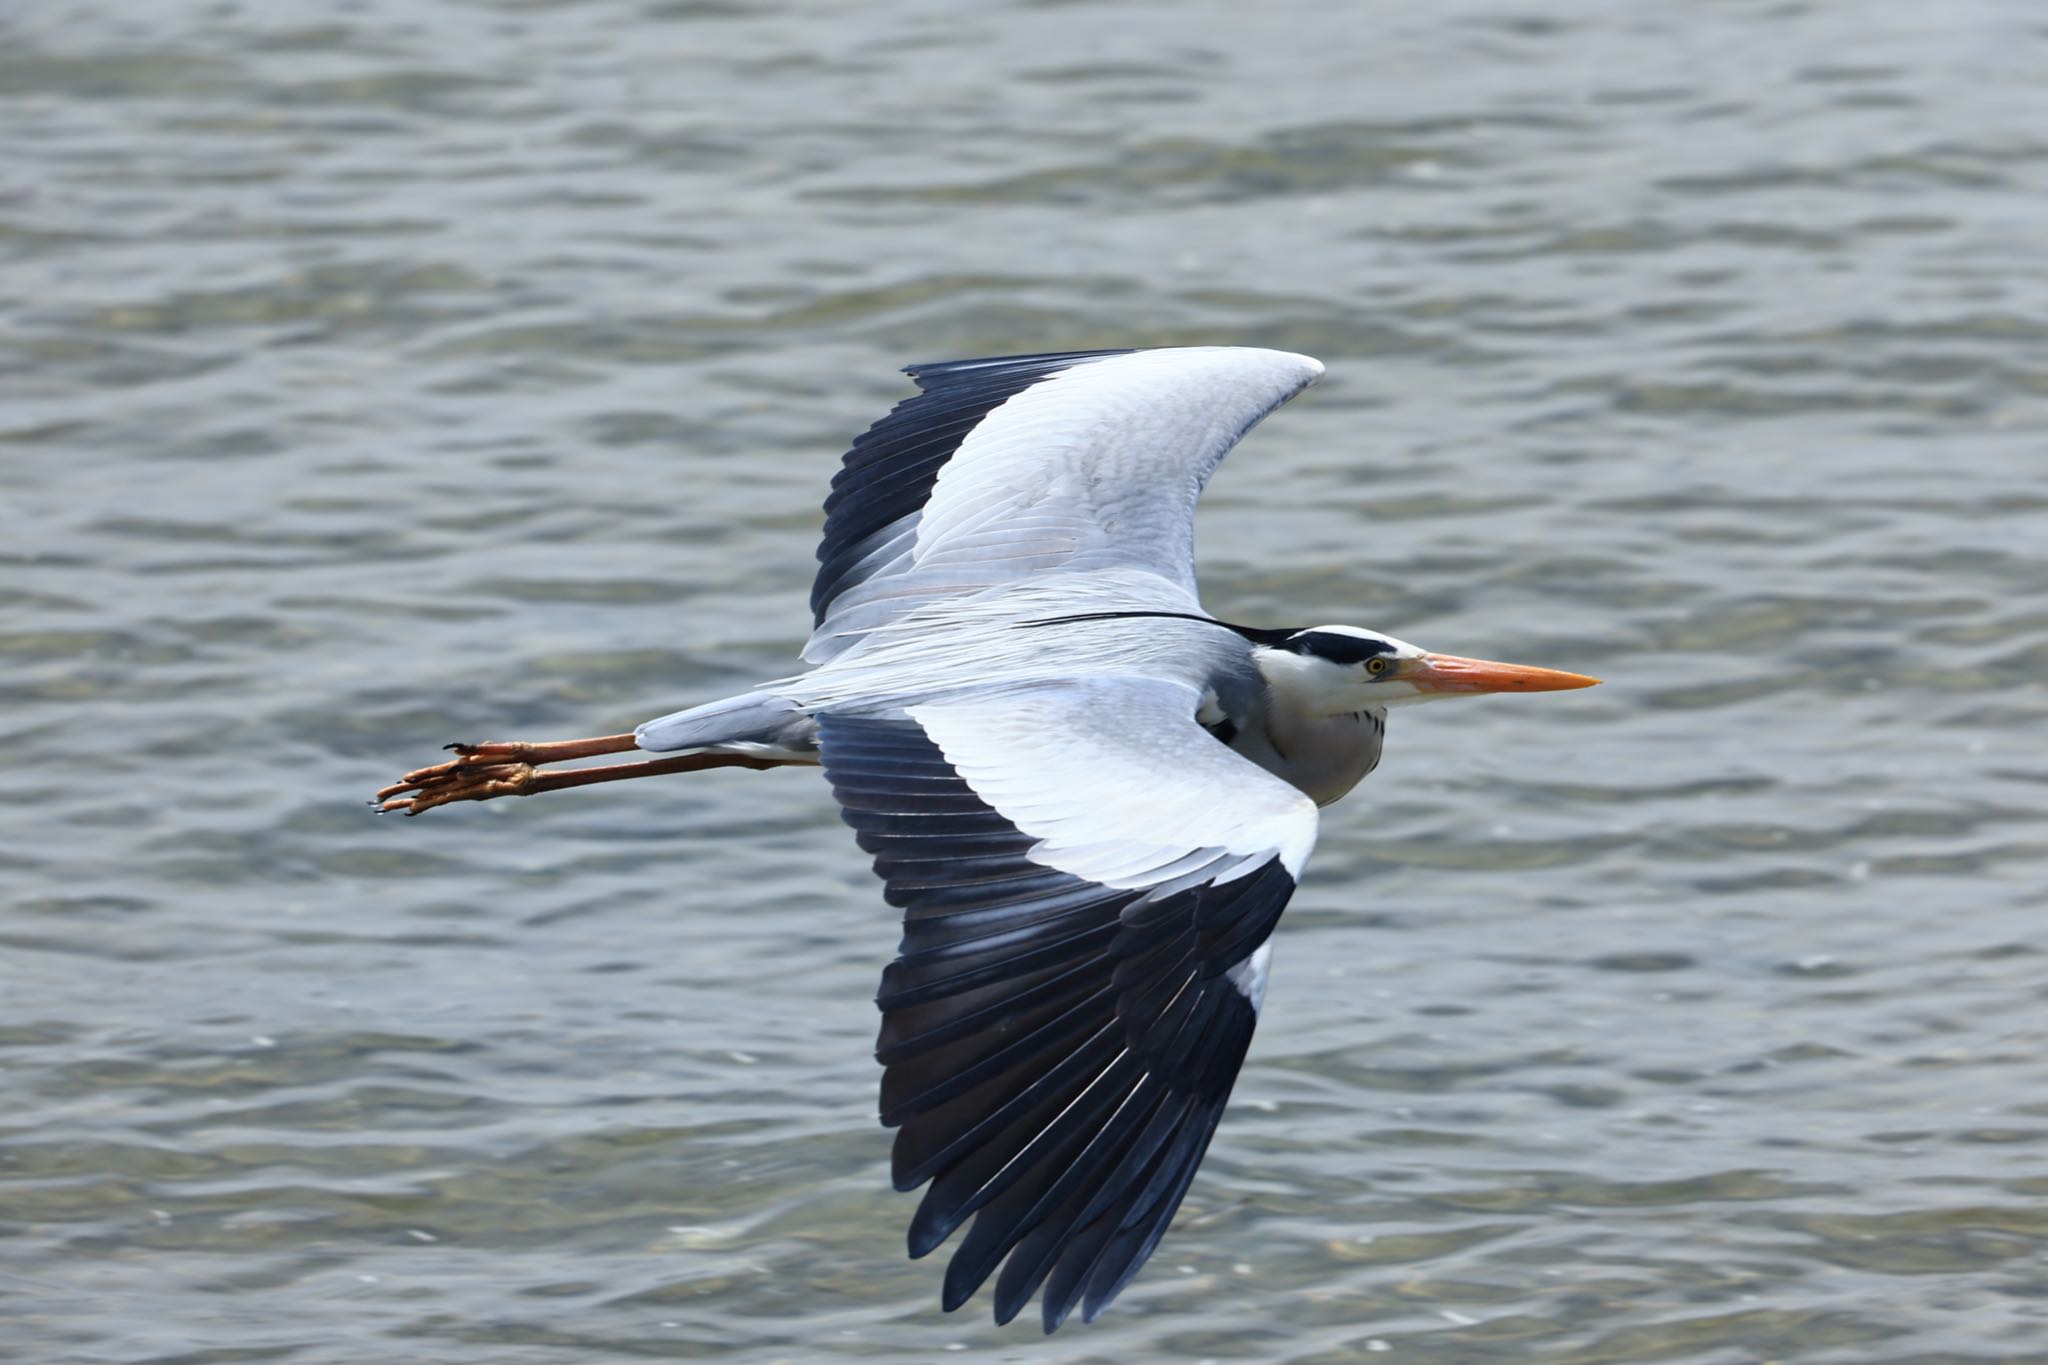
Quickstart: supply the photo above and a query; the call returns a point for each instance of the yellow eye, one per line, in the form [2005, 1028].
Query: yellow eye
[1378, 664]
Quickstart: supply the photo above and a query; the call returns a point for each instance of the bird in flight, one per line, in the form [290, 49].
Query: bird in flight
[1089, 798]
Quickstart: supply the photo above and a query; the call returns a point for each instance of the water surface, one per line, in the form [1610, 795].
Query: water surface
[388, 374]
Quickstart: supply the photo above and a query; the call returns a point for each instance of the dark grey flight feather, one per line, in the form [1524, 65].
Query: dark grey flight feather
[1057, 1052]
[890, 470]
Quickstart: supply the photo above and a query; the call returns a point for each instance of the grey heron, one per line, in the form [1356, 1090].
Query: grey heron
[1090, 799]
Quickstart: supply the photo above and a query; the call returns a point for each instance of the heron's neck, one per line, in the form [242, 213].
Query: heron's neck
[1325, 756]
[1320, 738]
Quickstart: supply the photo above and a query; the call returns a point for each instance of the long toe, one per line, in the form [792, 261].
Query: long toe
[460, 780]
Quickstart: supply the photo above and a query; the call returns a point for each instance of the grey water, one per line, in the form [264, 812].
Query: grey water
[386, 373]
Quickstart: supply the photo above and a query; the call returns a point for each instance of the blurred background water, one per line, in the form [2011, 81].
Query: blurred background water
[399, 371]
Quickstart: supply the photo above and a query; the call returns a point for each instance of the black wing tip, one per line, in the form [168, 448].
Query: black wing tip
[921, 1241]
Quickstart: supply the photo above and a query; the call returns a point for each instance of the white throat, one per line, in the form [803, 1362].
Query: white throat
[1305, 687]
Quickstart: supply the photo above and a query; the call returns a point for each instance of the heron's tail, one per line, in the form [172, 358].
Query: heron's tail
[760, 723]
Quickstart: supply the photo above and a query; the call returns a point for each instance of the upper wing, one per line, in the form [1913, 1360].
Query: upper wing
[1087, 881]
[1007, 466]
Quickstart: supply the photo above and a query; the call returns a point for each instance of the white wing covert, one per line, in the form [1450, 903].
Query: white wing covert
[1088, 880]
[1009, 466]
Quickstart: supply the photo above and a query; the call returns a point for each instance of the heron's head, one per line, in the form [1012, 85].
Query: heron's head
[1331, 670]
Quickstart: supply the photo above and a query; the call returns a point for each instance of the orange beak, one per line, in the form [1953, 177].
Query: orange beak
[1449, 673]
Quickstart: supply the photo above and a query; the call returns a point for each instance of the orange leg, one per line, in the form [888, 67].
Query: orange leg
[482, 771]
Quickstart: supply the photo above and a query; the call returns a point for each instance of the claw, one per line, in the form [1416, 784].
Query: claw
[454, 781]
[479, 772]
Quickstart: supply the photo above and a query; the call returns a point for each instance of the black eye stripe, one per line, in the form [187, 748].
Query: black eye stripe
[1339, 648]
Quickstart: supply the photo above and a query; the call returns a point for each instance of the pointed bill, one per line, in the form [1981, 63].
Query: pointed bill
[1449, 673]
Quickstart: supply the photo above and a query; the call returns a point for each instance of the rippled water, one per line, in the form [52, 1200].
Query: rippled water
[384, 374]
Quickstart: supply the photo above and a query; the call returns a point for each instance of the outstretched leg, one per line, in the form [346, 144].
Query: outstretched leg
[482, 771]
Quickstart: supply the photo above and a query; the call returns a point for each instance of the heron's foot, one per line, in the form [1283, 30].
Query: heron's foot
[480, 772]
